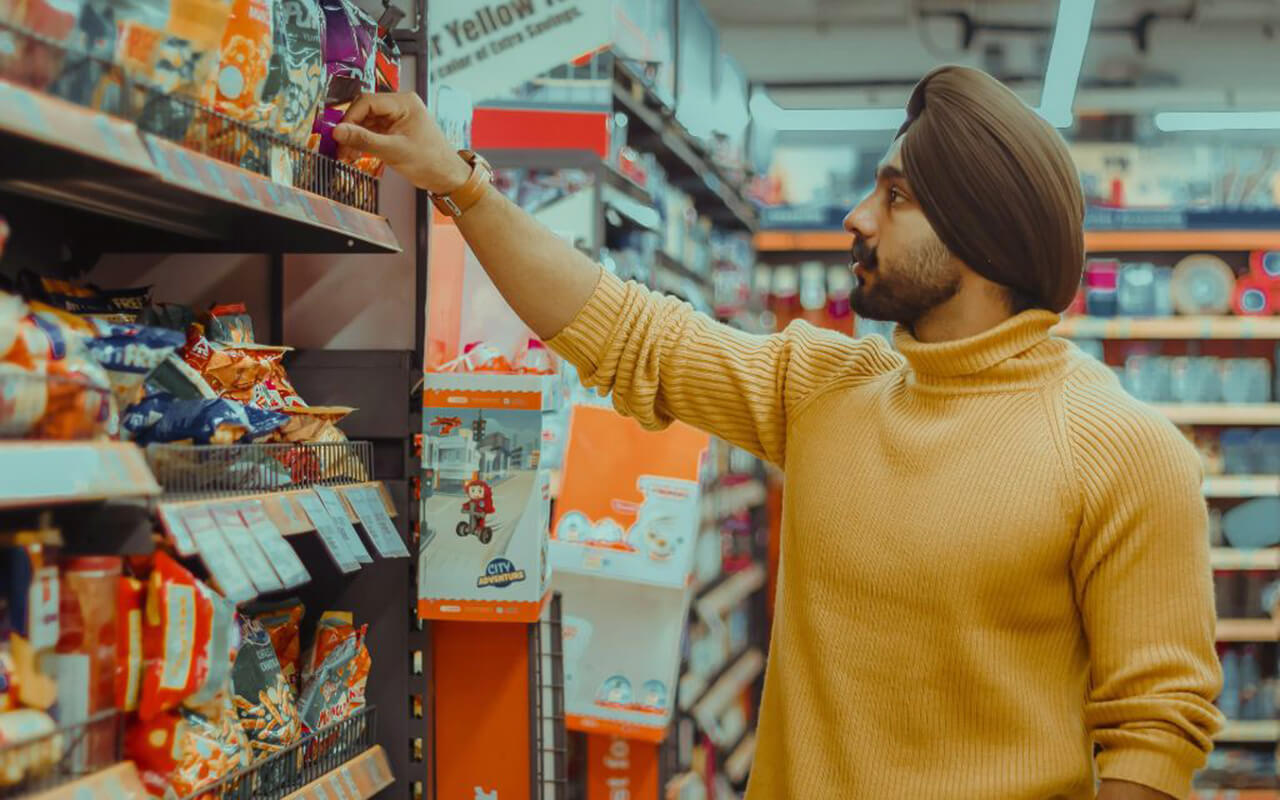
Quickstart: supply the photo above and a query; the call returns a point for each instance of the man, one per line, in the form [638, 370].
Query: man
[994, 561]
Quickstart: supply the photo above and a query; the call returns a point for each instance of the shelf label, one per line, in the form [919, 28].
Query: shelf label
[367, 502]
[279, 552]
[110, 137]
[171, 518]
[338, 511]
[20, 105]
[245, 546]
[318, 792]
[218, 556]
[348, 783]
[330, 533]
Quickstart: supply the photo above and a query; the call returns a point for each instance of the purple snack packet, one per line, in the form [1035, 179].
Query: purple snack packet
[349, 57]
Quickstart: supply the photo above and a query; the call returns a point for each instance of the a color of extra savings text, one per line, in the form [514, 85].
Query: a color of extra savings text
[507, 20]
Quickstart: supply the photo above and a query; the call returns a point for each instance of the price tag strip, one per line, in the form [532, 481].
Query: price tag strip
[218, 556]
[245, 546]
[278, 551]
[367, 503]
[171, 519]
[334, 540]
[338, 512]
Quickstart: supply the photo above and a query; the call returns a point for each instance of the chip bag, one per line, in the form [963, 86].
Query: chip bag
[296, 84]
[228, 323]
[182, 751]
[283, 623]
[261, 694]
[236, 88]
[130, 598]
[335, 670]
[349, 56]
[129, 353]
[176, 637]
[163, 418]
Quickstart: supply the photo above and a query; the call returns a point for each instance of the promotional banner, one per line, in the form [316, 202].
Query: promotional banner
[487, 48]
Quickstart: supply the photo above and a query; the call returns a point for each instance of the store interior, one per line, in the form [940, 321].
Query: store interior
[292, 505]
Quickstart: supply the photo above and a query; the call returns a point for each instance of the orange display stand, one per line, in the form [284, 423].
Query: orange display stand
[619, 767]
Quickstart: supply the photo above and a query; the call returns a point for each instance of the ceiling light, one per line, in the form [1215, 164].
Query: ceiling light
[771, 115]
[1066, 55]
[1218, 120]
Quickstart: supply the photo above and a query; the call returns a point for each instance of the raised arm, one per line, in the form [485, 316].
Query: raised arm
[659, 358]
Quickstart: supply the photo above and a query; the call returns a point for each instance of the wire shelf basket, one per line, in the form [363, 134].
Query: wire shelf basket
[31, 59]
[285, 772]
[62, 755]
[547, 717]
[211, 470]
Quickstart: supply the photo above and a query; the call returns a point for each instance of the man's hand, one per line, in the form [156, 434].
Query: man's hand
[1123, 790]
[398, 129]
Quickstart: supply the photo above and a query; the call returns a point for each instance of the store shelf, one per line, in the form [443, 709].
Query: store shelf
[678, 269]
[1207, 327]
[730, 592]
[360, 778]
[125, 190]
[1241, 485]
[118, 781]
[47, 473]
[1222, 414]
[1188, 240]
[615, 178]
[803, 241]
[736, 680]
[1232, 558]
[686, 167]
[1248, 630]
[738, 765]
[693, 686]
[634, 213]
[1267, 730]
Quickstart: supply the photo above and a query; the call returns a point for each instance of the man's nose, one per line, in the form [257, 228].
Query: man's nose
[861, 221]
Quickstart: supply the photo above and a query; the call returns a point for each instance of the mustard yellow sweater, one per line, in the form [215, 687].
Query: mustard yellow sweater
[992, 557]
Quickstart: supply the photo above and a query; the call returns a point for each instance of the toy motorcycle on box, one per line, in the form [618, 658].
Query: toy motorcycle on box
[478, 507]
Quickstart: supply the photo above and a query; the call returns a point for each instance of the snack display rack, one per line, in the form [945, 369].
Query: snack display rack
[1243, 743]
[83, 761]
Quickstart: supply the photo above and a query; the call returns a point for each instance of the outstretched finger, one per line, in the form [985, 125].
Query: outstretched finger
[353, 140]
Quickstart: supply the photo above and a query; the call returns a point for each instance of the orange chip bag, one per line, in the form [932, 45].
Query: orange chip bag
[314, 424]
[130, 598]
[180, 752]
[283, 624]
[175, 637]
[233, 371]
[332, 630]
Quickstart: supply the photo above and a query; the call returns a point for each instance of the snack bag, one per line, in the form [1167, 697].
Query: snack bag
[163, 418]
[234, 370]
[177, 59]
[314, 423]
[30, 62]
[130, 598]
[175, 638]
[180, 752]
[349, 56]
[335, 631]
[283, 624]
[85, 78]
[326, 697]
[262, 696]
[295, 84]
[236, 89]
[228, 323]
[129, 353]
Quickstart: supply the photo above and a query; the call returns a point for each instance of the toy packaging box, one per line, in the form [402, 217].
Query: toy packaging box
[485, 502]
[623, 538]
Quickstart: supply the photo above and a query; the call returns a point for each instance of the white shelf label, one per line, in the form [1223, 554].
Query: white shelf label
[329, 532]
[279, 552]
[218, 556]
[338, 511]
[348, 783]
[245, 547]
[367, 502]
[177, 528]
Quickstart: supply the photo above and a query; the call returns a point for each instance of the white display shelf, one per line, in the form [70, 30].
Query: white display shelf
[1222, 413]
[1241, 485]
[118, 781]
[1266, 730]
[1208, 327]
[1248, 630]
[1234, 558]
[360, 778]
[49, 473]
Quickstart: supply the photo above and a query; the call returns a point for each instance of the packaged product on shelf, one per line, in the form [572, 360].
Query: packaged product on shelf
[283, 623]
[18, 763]
[349, 55]
[262, 697]
[335, 671]
[176, 377]
[166, 419]
[236, 88]
[86, 649]
[176, 637]
[249, 373]
[117, 305]
[129, 353]
[130, 597]
[228, 323]
[314, 423]
[30, 62]
[180, 752]
[297, 63]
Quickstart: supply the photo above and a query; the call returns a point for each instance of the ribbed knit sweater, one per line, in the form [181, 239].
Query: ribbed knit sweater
[993, 559]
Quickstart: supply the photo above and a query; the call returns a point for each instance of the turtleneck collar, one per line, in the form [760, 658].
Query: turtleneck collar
[1014, 354]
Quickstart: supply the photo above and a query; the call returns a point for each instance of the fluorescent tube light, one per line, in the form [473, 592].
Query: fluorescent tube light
[1217, 120]
[1066, 55]
[771, 115]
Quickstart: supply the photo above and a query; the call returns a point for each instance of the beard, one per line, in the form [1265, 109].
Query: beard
[907, 288]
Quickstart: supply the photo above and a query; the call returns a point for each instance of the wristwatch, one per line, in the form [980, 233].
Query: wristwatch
[457, 202]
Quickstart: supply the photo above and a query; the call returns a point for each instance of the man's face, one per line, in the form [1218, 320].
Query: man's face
[903, 269]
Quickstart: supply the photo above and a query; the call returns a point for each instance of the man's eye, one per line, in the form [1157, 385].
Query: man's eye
[895, 195]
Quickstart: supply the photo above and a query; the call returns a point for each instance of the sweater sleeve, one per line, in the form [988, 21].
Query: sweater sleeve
[663, 361]
[1145, 590]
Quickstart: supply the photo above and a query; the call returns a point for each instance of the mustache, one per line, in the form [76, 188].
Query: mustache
[863, 253]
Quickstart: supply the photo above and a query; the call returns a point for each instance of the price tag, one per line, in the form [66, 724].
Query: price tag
[255, 562]
[307, 209]
[318, 792]
[250, 188]
[373, 772]
[329, 532]
[177, 529]
[110, 137]
[348, 783]
[218, 557]
[367, 502]
[338, 511]
[279, 552]
[20, 105]
[217, 181]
